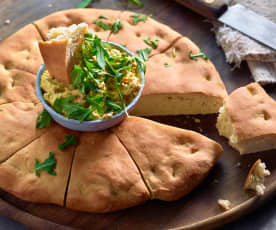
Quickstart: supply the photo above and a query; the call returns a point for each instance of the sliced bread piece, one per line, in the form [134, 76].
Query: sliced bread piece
[172, 161]
[104, 178]
[248, 119]
[256, 177]
[62, 50]
[176, 84]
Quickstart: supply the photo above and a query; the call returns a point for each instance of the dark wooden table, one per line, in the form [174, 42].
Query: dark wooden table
[16, 13]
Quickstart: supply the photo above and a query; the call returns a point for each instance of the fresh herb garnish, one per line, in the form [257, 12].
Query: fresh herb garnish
[102, 25]
[168, 65]
[84, 3]
[70, 140]
[199, 55]
[174, 52]
[96, 102]
[140, 18]
[136, 3]
[144, 53]
[152, 43]
[49, 165]
[43, 120]
[116, 26]
[103, 17]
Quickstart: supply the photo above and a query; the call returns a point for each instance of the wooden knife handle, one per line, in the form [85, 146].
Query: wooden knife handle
[210, 9]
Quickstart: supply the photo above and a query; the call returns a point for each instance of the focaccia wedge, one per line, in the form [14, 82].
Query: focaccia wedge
[248, 119]
[176, 84]
[172, 161]
[18, 177]
[104, 178]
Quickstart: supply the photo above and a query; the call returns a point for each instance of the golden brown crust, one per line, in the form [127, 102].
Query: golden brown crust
[252, 112]
[172, 161]
[20, 50]
[184, 76]
[251, 172]
[17, 85]
[76, 16]
[54, 54]
[17, 122]
[17, 174]
[133, 35]
[104, 177]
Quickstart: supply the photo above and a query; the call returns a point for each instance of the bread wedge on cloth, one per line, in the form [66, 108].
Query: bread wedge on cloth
[104, 178]
[17, 122]
[248, 119]
[176, 84]
[172, 161]
[18, 177]
[62, 50]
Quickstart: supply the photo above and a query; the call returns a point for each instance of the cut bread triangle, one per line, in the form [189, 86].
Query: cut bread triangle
[176, 84]
[17, 174]
[104, 178]
[248, 119]
[172, 161]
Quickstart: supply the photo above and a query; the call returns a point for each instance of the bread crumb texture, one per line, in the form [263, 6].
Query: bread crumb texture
[224, 204]
[256, 177]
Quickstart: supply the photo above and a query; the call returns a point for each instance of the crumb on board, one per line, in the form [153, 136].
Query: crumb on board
[197, 120]
[50, 5]
[8, 21]
[238, 164]
[225, 205]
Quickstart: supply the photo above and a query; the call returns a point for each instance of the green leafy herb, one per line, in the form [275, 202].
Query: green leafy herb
[116, 26]
[168, 65]
[140, 63]
[103, 17]
[199, 55]
[136, 3]
[124, 45]
[112, 106]
[70, 140]
[43, 120]
[70, 109]
[102, 25]
[97, 102]
[140, 18]
[174, 52]
[101, 53]
[152, 43]
[49, 165]
[144, 53]
[84, 3]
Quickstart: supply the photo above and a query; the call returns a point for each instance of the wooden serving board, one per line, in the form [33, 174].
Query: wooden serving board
[198, 210]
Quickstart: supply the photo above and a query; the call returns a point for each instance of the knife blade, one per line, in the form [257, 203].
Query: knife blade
[238, 17]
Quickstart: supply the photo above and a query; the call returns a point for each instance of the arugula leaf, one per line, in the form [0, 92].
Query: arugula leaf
[144, 53]
[96, 102]
[112, 106]
[77, 76]
[49, 165]
[103, 17]
[116, 26]
[102, 25]
[136, 3]
[43, 120]
[168, 65]
[70, 140]
[152, 43]
[84, 3]
[140, 18]
[140, 62]
[100, 53]
[199, 55]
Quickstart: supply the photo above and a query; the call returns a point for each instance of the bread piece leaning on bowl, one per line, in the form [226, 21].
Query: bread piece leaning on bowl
[62, 50]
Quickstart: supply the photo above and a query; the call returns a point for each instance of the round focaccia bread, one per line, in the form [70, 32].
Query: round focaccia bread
[108, 171]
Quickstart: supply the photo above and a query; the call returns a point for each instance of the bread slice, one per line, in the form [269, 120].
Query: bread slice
[62, 50]
[256, 177]
[104, 178]
[172, 161]
[18, 177]
[248, 120]
[176, 84]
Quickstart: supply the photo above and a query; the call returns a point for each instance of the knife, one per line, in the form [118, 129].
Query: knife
[238, 17]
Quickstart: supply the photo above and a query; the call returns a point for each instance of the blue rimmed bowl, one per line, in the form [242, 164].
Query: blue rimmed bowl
[86, 126]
